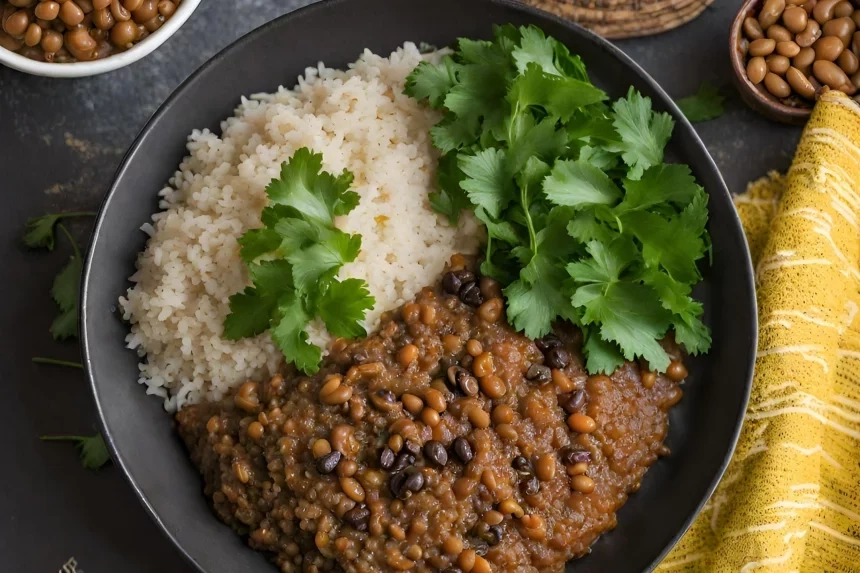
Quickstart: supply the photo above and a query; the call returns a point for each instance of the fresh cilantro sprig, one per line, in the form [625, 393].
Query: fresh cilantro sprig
[293, 262]
[92, 449]
[585, 222]
[704, 105]
[41, 230]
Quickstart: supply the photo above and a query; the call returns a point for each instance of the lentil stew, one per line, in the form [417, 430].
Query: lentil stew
[446, 441]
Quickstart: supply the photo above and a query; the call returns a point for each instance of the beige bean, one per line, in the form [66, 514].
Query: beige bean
[823, 10]
[855, 79]
[777, 64]
[855, 42]
[829, 74]
[809, 35]
[776, 85]
[47, 10]
[842, 28]
[752, 29]
[809, 5]
[795, 19]
[828, 48]
[770, 13]
[12, 44]
[103, 19]
[120, 14]
[33, 35]
[856, 17]
[71, 14]
[762, 47]
[847, 60]
[16, 25]
[52, 41]
[778, 33]
[756, 69]
[843, 9]
[804, 58]
[101, 4]
[795, 2]
[788, 49]
[799, 83]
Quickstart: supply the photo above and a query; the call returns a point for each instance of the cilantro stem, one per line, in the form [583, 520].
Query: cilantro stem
[62, 438]
[524, 196]
[56, 362]
[71, 240]
[76, 214]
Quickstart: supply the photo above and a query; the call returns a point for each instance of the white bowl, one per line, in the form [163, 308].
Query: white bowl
[108, 64]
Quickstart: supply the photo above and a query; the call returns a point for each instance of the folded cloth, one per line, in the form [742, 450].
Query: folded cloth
[790, 499]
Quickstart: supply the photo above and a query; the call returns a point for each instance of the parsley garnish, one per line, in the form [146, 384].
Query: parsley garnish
[584, 220]
[706, 104]
[92, 449]
[293, 261]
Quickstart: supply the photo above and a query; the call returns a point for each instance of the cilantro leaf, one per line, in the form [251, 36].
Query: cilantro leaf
[41, 230]
[535, 48]
[488, 183]
[671, 183]
[93, 450]
[643, 133]
[539, 140]
[256, 243]
[601, 357]
[318, 195]
[450, 198]
[559, 96]
[586, 227]
[704, 105]
[288, 332]
[65, 292]
[250, 314]
[321, 262]
[689, 329]
[669, 243]
[343, 306]
[452, 133]
[536, 298]
[432, 81]
[579, 184]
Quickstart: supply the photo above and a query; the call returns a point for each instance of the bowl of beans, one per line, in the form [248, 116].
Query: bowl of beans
[76, 38]
[786, 52]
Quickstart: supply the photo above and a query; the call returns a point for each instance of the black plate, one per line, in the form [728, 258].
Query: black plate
[704, 426]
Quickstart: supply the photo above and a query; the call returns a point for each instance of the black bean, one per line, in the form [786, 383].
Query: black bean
[469, 385]
[463, 449]
[470, 293]
[539, 374]
[451, 283]
[571, 456]
[414, 481]
[397, 484]
[436, 452]
[530, 486]
[387, 395]
[454, 373]
[357, 517]
[360, 356]
[495, 535]
[557, 357]
[481, 548]
[403, 461]
[523, 466]
[327, 463]
[386, 458]
[572, 402]
[547, 342]
[412, 447]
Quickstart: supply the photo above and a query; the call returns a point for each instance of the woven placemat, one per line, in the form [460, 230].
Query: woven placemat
[616, 19]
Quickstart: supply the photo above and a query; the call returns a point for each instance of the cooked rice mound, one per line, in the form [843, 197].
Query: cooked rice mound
[359, 120]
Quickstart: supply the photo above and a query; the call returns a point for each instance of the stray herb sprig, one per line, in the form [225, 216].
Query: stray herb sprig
[704, 105]
[584, 220]
[92, 449]
[57, 362]
[41, 230]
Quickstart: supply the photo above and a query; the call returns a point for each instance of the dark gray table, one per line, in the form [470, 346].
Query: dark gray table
[60, 142]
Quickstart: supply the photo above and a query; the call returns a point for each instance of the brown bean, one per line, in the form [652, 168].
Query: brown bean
[756, 69]
[132, 5]
[804, 58]
[452, 343]
[119, 13]
[452, 545]
[339, 395]
[582, 483]
[843, 9]
[856, 17]
[779, 33]
[255, 430]
[828, 48]
[787, 49]
[841, 28]
[545, 467]
[147, 11]
[17, 24]
[464, 487]
[855, 42]
[103, 19]
[33, 35]
[752, 29]
[582, 423]
[428, 312]
[474, 347]
[507, 432]
[123, 34]
[466, 560]
[478, 417]
[166, 8]
[240, 469]
[9, 43]
[762, 47]
[412, 403]
[481, 565]
[770, 13]
[352, 489]
[648, 379]
[776, 85]
[795, 2]
[829, 74]
[483, 365]
[491, 310]
[430, 417]
[47, 10]
[320, 448]
[855, 79]
[51, 42]
[101, 4]
[511, 507]
[435, 399]
[809, 35]
[578, 468]
[503, 414]
[809, 6]
[847, 60]
[407, 355]
[493, 386]
[777, 64]
[795, 19]
[346, 468]
[340, 438]
[823, 11]
[71, 14]
[85, 5]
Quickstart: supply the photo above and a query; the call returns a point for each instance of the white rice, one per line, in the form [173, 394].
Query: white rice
[359, 120]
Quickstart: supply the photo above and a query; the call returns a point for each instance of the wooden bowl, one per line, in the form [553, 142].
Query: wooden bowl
[793, 110]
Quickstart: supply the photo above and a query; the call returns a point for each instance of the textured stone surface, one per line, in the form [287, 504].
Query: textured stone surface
[60, 142]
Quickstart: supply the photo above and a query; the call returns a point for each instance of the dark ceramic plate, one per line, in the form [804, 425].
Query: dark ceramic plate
[704, 426]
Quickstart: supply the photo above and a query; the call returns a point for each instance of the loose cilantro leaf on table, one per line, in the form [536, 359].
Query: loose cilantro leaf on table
[65, 292]
[93, 450]
[585, 222]
[41, 230]
[704, 105]
[293, 261]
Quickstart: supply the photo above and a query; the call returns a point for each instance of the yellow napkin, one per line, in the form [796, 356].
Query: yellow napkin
[790, 499]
